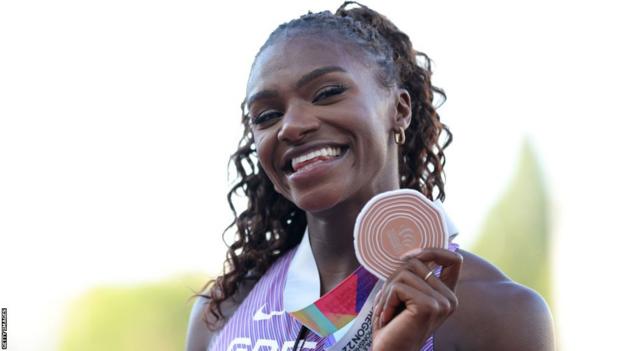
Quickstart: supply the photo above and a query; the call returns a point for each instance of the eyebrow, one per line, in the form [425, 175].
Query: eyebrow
[305, 79]
[264, 94]
[308, 77]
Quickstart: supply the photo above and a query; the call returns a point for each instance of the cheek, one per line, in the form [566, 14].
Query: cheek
[371, 127]
[265, 150]
[374, 142]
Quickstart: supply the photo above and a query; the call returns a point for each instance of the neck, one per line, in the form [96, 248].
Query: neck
[331, 240]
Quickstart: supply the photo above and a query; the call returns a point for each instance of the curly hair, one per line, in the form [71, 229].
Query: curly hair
[271, 225]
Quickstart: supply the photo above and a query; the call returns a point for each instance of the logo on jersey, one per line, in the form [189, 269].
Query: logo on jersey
[260, 315]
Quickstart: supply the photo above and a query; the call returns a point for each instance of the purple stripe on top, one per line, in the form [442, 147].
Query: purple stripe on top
[260, 322]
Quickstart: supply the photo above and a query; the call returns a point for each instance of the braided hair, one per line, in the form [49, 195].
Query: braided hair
[271, 224]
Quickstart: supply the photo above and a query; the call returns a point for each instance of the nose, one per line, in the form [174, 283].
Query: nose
[297, 122]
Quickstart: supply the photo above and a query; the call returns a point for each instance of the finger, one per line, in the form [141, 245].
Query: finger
[412, 275]
[379, 305]
[440, 256]
[413, 272]
[376, 308]
[402, 294]
[432, 286]
[450, 261]
[377, 294]
[437, 286]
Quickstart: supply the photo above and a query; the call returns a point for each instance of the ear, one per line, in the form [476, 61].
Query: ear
[402, 110]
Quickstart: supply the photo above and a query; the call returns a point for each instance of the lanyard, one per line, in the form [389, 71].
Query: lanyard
[359, 335]
[339, 306]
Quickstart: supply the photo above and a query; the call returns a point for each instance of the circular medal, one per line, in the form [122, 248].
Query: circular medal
[393, 223]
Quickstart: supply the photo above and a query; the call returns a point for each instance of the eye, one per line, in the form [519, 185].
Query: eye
[266, 116]
[328, 92]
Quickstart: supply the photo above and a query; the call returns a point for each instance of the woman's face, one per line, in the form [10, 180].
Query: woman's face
[322, 124]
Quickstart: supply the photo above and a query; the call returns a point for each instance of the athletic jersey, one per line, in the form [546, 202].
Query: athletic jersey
[260, 323]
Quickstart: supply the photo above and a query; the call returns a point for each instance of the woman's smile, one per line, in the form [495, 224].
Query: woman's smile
[313, 166]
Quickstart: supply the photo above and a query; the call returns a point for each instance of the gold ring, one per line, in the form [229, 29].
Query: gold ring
[428, 275]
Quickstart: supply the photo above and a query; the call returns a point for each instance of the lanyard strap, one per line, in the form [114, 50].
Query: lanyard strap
[339, 306]
[359, 336]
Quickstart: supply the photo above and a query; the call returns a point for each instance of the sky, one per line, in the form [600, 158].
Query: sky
[117, 119]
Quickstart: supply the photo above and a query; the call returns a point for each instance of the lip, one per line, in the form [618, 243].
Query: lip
[311, 174]
[303, 149]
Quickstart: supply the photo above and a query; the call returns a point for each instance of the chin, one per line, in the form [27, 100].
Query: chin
[317, 201]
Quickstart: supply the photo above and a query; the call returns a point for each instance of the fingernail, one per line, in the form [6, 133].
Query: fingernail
[411, 253]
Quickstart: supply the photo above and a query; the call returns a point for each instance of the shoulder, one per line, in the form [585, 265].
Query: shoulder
[497, 312]
[198, 336]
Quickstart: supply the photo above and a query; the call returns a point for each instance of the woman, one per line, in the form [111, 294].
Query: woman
[338, 109]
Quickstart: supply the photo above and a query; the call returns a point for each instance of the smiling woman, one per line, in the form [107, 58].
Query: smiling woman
[317, 79]
[339, 108]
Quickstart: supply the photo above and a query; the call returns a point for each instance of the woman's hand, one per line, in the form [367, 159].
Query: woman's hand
[409, 308]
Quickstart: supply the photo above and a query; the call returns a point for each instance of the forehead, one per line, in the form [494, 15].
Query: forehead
[288, 59]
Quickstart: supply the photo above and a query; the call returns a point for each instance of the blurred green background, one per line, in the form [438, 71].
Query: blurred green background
[149, 316]
[514, 236]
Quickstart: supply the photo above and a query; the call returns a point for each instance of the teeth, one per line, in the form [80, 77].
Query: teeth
[326, 151]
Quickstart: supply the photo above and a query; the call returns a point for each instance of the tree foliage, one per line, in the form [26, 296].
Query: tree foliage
[516, 233]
